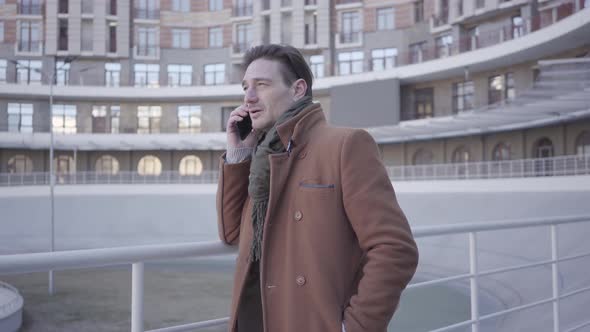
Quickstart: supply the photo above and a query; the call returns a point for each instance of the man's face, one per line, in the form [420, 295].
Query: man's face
[266, 93]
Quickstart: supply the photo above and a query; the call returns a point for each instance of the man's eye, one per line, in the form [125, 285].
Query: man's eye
[261, 83]
[244, 88]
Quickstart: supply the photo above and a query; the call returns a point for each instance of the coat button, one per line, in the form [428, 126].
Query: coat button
[300, 280]
[298, 215]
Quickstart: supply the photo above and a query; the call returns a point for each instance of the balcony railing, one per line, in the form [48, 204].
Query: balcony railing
[30, 9]
[137, 256]
[350, 37]
[145, 50]
[30, 46]
[556, 166]
[243, 10]
[147, 14]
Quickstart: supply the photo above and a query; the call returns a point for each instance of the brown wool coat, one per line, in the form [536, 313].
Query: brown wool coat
[336, 245]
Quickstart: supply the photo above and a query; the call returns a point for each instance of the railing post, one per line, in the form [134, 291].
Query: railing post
[137, 297]
[473, 281]
[555, 278]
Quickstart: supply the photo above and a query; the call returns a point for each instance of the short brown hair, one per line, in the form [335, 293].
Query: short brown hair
[293, 63]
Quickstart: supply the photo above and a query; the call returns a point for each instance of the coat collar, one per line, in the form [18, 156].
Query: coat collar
[297, 129]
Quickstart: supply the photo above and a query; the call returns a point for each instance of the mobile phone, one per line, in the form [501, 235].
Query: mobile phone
[245, 127]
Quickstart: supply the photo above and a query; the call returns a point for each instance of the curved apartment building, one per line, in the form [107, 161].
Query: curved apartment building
[145, 86]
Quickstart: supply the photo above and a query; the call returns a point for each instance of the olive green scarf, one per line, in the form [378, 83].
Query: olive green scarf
[259, 186]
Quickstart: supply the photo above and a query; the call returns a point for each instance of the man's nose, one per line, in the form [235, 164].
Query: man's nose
[250, 97]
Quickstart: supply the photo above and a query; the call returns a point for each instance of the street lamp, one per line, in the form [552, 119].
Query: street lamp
[66, 60]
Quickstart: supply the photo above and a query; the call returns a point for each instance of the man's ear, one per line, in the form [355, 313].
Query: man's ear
[299, 87]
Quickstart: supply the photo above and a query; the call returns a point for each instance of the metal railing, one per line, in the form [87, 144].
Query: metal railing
[138, 255]
[556, 166]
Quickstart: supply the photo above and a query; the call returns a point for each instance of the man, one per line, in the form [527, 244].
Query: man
[323, 244]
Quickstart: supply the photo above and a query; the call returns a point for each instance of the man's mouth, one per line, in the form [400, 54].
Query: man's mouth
[254, 112]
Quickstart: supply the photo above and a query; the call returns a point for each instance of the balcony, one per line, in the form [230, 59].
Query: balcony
[147, 14]
[30, 9]
[147, 51]
[244, 10]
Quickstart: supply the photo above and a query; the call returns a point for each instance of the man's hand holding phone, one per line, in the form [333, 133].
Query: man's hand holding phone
[239, 122]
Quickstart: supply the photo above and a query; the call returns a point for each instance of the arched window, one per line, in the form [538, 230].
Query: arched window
[583, 143]
[107, 164]
[501, 152]
[543, 148]
[20, 164]
[64, 165]
[423, 157]
[190, 165]
[149, 165]
[461, 155]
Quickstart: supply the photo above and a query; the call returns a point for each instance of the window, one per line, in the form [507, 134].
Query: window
[462, 96]
[87, 6]
[147, 75]
[215, 5]
[215, 37]
[149, 165]
[180, 75]
[20, 164]
[215, 74]
[423, 157]
[510, 92]
[417, 52]
[29, 37]
[243, 8]
[148, 119]
[62, 7]
[146, 9]
[20, 118]
[501, 152]
[444, 46]
[384, 58]
[3, 66]
[317, 65]
[418, 11]
[495, 89]
[424, 103]
[190, 165]
[181, 38]
[351, 27]
[62, 39]
[29, 7]
[480, 4]
[189, 119]
[100, 118]
[112, 37]
[310, 29]
[181, 5]
[385, 18]
[112, 7]
[64, 119]
[62, 73]
[443, 17]
[461, 155]
[350, 63]
[583, 144]
[146, 41]
[543, 148]
[112, 74]
[473, 41]
[517, 27]
[286, 23]
[501, 87]
[244, 37]
[63, 165]
[115, 116]
[87, 36]
[107, 164]
[28, 72]
[1, 32]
